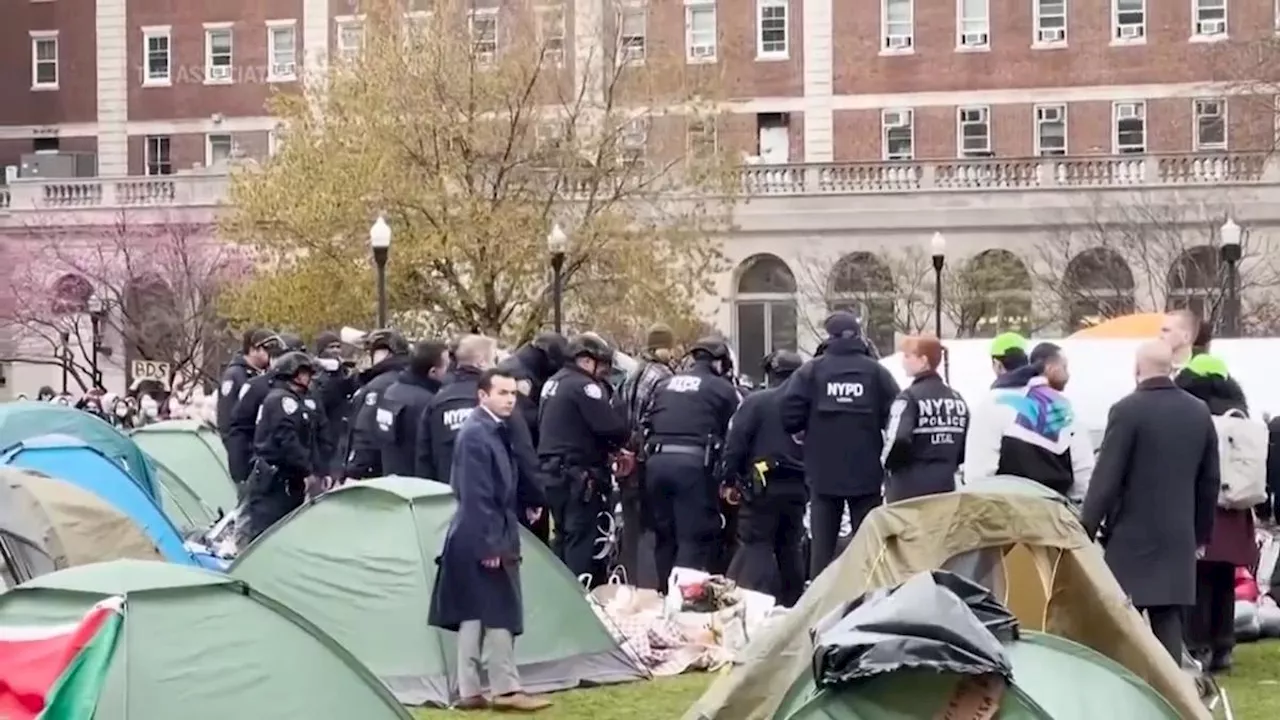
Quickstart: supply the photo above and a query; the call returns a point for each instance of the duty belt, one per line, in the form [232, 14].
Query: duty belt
[660, 449]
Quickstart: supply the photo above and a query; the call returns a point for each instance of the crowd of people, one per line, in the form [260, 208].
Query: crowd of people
[132, 410]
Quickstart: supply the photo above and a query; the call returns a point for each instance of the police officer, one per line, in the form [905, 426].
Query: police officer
[332, 388]
[401, 407]
[390, 354]
[532, 365]
[838, 406]
[927, 427]
[439, 425]
[284, 467]
[244, 416]
[255, 355]
[765, 466]
[577, 431]
[686, 422]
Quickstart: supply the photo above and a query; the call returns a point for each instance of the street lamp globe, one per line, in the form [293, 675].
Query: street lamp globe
[557, 240]
[938, 245]
[380, 234]
[1230, 232]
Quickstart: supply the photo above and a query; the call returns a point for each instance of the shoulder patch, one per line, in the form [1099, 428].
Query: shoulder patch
[311, 404]
[593, 391]
[898, 406]
[371, 398]
[244, 389]
[226, 387]
[524, 386]
[289, 405]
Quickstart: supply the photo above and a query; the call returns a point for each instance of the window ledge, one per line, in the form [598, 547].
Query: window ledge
[890, 52]
[44, 87]
[1049, 46]
[700, 60]
[772, 57]
[157, 82]
[1220, 37]
[282, 78]
[973, 48]
[1210, 148]
[218, 81]
[1118, 42]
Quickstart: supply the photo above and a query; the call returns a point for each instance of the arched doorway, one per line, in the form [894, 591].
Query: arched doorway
[862, 284]
[1193, 283]
[994, 295]
[764, 309]
[1098, 286]
[72, 294]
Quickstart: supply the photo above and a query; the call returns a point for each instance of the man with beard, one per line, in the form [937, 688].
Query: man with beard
[390, 354]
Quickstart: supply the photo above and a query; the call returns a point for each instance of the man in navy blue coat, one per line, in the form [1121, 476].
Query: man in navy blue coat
[477, 591]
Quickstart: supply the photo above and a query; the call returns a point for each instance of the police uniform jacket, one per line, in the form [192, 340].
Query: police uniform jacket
[691, 408]
[238, 372]
[755, 435]
[927, 426]
[840, 401]
[364, 454]
[439, 425]
[333, 389]
[399, 410]
[284, 436]
[244, 422]
[577, 425]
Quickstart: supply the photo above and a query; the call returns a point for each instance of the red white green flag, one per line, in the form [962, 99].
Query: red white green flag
[57, 672]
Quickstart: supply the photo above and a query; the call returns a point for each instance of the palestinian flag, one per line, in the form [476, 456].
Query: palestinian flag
[56, 672]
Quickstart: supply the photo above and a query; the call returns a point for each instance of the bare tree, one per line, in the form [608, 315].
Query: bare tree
[1111, 259]
[892, 293]
[991, 293]
[149, 288]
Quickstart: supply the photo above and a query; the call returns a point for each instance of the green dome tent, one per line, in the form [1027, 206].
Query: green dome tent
[359, 562]
[192, 450]
[25, 420]
[201, 646]
[1053, 679]
[180, 503]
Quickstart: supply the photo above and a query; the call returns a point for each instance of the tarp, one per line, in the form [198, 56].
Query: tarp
[20, 421]
[359, 562]
[78, 464]
[200, 646]
[23, 554]
[75, 526]
[193, 451]
[1138, 325]
[1018, 538]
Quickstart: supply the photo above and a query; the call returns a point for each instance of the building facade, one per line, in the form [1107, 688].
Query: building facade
[865, 128]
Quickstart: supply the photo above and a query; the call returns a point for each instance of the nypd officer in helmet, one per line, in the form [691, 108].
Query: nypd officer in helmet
[765, 466]
[284, 466]
[685, 425]
[244, 416]
[578, 429]
[837, 406]
[389, 351]
[927, 427]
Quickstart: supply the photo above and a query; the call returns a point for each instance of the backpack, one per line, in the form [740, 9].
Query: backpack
[1242, 453]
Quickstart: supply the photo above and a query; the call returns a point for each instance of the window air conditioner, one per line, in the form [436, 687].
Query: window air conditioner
[1130, 32]
[897, 119]
[1049, 114]
[1053, 35]
[898, 42]
[283, 69]
[973, 39]
[1128, 112]
[1211, 27]
[220, 72]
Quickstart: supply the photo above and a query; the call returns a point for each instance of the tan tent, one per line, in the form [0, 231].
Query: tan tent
[1017, 538]
[75, 527]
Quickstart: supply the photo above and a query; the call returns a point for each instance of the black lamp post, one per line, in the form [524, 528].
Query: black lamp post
[557, 244]
[65, 352]
[380, 241]
[939, 248]
[1230, 252]
[96, 314]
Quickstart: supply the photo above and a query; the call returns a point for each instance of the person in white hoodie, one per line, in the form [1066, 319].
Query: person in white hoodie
[1026, 426]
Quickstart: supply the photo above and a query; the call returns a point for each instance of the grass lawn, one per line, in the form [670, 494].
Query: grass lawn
[1253, 688]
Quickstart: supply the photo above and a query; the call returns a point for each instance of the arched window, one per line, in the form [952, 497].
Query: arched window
[862, 284]
[764, 308]
[71, 294]
[993, 295]
[1098, 285]
[1194, 282]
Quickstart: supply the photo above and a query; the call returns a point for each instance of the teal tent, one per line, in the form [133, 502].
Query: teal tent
[197, 645]
[192, 451]
[20, 421]
[359, 562]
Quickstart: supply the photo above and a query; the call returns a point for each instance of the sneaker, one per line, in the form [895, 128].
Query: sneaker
[519, 702]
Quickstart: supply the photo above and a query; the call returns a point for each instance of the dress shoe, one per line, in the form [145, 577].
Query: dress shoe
[519, 702]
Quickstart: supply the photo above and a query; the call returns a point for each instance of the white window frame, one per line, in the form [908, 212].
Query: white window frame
[208, 147]
[783, 53]
[157, 32]
[1039, 122]
[1197, 114]
[487, 57]
[281, 71]
[1206, 26]
[344, 23]
[629, 50]
[886, 127]
[973, 34]
[1128, 33]
[38, 38]
[215, 72]
[555, 56]
[698, 50]
[700, 129]
[1127, 107]
[894, 38]
[1054, 36]
[633, 141]
[147, 154]
[984, 111]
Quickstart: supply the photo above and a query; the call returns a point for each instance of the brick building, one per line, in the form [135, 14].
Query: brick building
[867, 125]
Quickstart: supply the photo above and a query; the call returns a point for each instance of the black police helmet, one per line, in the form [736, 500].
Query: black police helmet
[292, 363]
[292, 342]
[783, 363]
[712, 347]
[552, 345]
[589, 345]
[387, 339]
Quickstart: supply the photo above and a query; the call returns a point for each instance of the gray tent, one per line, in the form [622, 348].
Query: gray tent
[22, 554]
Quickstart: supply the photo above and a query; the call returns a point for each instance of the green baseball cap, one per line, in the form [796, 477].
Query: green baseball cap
[1206, 365]
[1004, 342]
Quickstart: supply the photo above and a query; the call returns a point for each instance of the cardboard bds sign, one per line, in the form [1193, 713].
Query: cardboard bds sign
[150, 370]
